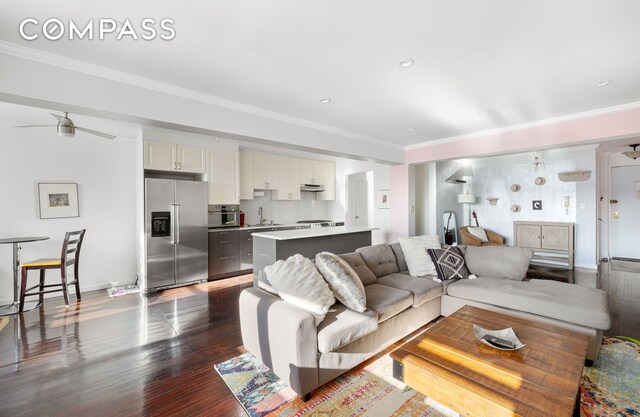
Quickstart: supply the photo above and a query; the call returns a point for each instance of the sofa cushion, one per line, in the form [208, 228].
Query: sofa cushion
[449, 263]
[423, 289]
[558, 300]
[298, 282]
[400, 260]
[343, 281]
[498, 261]
[356, 262]
[380, 259]
[342, 326]
[387, 301]
[414, 249]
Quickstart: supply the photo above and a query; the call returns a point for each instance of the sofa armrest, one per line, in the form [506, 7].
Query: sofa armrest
[494, 237]
[281, 335]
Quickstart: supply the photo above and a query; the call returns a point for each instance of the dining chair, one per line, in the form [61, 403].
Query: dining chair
[70, 255]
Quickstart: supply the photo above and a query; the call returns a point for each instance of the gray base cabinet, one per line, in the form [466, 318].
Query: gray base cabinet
[224, 253]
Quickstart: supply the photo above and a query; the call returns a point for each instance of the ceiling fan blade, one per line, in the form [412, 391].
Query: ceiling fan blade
[36, 126]
[56, 116]
[95, 132]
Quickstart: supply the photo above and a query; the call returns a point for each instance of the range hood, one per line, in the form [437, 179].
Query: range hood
[314, 188]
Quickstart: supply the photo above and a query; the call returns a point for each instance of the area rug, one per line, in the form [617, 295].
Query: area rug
[3, 322]
[610, 388]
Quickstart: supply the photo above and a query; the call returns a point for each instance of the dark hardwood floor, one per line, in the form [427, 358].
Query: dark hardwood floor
[128, 356]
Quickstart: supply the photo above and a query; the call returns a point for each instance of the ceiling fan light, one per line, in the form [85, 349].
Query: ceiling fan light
[66, 130]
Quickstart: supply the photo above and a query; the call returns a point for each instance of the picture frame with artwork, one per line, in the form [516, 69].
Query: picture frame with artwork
[384, 199]
[58, 200]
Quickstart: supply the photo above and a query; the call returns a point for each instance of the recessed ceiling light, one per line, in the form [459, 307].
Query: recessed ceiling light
[603, 83]
[325, 100]
[484, 113]
[405, 63]
[412, 129]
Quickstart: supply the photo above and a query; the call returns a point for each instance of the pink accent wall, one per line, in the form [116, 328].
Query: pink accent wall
[571, 132]
[399, 202]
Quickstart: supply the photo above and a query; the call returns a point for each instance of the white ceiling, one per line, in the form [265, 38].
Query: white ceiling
[523, 61]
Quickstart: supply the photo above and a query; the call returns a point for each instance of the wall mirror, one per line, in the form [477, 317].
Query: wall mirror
[450, 227]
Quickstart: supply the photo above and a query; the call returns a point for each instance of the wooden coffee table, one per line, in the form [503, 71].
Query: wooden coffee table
[448, 364]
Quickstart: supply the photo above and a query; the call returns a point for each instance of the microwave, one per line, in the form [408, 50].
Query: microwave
[224, 216]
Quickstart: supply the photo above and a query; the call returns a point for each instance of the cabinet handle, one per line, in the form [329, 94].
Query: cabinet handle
[180, 165]
[224, 241]
[224, 257]
[224, 233]
[175, 165]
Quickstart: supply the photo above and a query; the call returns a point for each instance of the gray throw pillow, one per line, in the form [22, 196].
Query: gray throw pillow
[343, 281]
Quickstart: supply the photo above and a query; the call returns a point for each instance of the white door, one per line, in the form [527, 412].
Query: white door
[358, 202]
[625, 214]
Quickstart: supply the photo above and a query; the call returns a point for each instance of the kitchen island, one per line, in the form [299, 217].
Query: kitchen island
[268, 247]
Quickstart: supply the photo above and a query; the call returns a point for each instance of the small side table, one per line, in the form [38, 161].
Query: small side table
[16, 241]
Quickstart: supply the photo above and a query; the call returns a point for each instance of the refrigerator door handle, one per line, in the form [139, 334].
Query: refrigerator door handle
[177, 224]
[173, 225]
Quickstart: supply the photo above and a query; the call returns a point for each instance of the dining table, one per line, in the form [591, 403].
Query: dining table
[14, 307]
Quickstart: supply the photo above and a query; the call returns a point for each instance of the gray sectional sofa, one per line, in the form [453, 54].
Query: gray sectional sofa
[286, 339]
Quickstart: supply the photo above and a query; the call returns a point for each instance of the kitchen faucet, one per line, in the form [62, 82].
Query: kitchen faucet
[260, 214]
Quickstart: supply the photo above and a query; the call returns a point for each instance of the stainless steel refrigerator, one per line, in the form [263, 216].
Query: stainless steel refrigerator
[176, 228]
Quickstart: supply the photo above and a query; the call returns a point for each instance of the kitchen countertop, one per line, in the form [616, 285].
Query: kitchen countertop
[315, 232]
[266, 226]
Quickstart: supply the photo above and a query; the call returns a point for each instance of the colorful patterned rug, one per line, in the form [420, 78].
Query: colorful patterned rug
[610, 388]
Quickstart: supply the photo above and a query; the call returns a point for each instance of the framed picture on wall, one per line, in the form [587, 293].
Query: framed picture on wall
[384, 199]
[58, 200]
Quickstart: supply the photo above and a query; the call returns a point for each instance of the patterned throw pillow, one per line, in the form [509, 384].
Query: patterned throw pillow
[449, 263]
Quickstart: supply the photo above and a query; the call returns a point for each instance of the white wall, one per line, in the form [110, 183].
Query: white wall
[381, 218]
[104, 171]
[425, 195]
[283, 212]
[493, 176]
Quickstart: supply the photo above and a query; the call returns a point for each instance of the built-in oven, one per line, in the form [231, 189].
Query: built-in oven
[224, 216]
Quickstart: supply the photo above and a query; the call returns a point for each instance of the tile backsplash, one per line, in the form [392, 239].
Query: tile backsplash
[284, 211]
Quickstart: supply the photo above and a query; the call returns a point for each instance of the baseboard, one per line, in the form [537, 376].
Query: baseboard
[72, 290]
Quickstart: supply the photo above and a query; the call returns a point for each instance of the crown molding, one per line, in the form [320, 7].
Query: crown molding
[529, 125]
[9, 48]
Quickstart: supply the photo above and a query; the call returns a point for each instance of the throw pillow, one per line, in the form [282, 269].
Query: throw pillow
[418, 260]
[449, 263]
[343, 281]
[356, 262]
[298, 282]
[478, 232]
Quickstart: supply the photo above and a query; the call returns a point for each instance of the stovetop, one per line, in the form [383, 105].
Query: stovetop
[314, 221]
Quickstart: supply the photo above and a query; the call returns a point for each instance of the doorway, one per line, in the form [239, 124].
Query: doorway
[625, 213]
[359, 199]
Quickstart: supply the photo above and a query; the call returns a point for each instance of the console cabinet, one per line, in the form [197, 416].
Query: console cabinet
[552, 242]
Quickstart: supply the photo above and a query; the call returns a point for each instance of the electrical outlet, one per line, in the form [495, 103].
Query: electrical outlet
[582, 206]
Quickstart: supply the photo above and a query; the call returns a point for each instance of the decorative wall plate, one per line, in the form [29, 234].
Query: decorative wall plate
[492, 200]
[515, 188]
[540, 181]
[516, 208]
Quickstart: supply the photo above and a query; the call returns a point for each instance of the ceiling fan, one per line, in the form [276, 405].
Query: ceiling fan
[65, 127]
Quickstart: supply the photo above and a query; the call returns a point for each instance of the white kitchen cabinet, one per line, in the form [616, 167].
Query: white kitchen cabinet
[329, 182]
[552, 242]
[246, 175]
[288, 179]
[222, 175]
[165, 156]
[312, 171]
[191, 159]
[265, 171]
